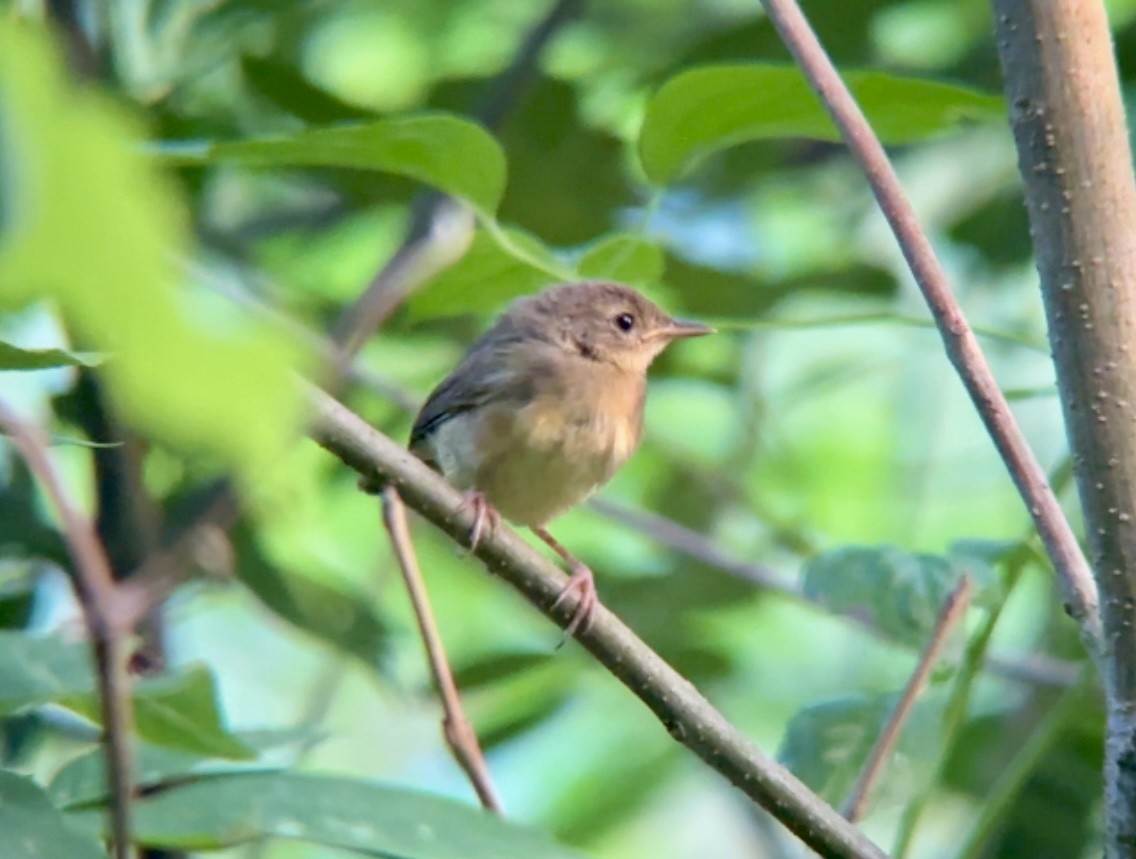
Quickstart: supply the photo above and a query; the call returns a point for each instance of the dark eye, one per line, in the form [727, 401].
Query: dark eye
[625, 322]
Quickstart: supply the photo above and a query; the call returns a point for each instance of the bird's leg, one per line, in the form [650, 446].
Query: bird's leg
[580, 580]
[485, 516]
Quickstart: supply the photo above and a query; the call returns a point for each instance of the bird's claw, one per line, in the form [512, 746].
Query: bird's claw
[485, 516]
[580, 580]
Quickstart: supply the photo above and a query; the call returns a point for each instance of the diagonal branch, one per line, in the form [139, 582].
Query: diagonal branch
[688, 716]
[456, 728]
[95, 589]
[961, 346]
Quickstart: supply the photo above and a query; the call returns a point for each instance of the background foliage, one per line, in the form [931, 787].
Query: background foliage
[225, 163]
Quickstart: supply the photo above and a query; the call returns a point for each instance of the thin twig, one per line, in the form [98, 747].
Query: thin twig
[457, 729]
[961, 346]
[95, 590]
[953, 611]
[687, 715]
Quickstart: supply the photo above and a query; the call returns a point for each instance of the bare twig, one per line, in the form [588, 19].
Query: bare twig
[457, 729]
[961, 346]
[953, 611]
[95, 589]
[686, 714]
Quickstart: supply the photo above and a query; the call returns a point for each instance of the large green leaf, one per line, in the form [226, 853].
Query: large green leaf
[901, 593]
[623, 257]
[826, 744]
[32, 828]
[707, 109]
[178, 710]
[15, 358]
[370, 819]
[450, 154]
[97, 230]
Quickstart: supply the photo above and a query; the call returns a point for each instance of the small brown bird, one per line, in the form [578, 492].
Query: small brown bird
[545, 407]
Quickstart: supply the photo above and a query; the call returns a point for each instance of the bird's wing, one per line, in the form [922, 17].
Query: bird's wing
[491, 372]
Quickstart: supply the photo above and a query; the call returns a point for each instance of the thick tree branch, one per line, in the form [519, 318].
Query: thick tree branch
[960, 344]
[1068, 119]
[95, 589]
[686, 714]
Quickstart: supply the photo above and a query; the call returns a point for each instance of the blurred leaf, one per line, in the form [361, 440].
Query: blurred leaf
[488, 276]
[82, 780]
[370, 819]
[94, 227]
[623, 257]
[24, 532]
[17, 597]
[703, 110]
[15, 358]
[285, 87]
[32, 828]
[342, 619]
[900, 592]
[445, 152]
[177, 710]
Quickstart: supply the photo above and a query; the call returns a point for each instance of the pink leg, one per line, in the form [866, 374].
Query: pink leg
[580, 580]
[485, 517]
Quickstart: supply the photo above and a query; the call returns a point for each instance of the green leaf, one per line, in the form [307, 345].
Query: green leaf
[15, 358]
[625, 258]
[371, 819]
[178, 710]
[450, 154]
[96, 229]
[826, 744]
[32, 828]
[82, 780]
[900, 592]
[342, 619]
[706, 109]
[490, 274]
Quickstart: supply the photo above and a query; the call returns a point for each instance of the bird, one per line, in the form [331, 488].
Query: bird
[544, 408]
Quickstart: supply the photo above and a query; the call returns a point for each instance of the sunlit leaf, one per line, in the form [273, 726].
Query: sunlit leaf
[900, 592]
[624, 258]
[706, 109]
[32, 828]
[96, 228]
[367, 818]
[15, 358]
[450, 154]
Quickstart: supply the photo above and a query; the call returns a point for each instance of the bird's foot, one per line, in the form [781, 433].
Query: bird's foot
[581, 582]
[485, 516]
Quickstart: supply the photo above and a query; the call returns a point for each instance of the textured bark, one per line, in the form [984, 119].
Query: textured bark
[1068, 122]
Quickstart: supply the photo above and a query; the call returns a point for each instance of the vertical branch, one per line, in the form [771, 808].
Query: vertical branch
[959, 342]
[95, 589]
[1068, 119]
[457, 729]
[953, 611]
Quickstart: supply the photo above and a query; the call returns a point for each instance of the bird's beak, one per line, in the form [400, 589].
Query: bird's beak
[676, 329]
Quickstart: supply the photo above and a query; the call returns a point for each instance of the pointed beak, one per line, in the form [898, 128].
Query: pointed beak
[677, 329]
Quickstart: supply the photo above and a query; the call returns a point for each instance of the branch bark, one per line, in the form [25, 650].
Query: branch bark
[959, 342]
[1068, 120]
[688, 716]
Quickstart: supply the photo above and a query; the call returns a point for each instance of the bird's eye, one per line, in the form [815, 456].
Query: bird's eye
[625, 322]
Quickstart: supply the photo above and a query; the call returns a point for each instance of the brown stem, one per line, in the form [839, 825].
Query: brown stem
[688, 716]
[953, 611]
[456, 728]
[95, 590]
[1067, 114]
[959, 342]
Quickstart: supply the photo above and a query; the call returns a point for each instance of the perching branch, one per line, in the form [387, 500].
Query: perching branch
[1067, 113]
[95, 590]
[686, 714]
[961, 346]
[456, 728]
[952, 612]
